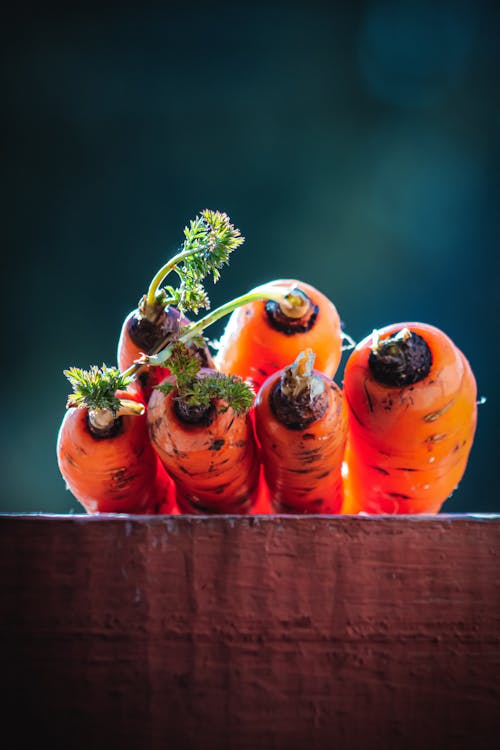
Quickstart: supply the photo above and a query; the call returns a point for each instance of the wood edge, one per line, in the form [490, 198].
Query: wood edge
[252, 519]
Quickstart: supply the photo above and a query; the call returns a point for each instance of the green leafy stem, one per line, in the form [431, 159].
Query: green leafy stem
[203, 390]
[209, 240]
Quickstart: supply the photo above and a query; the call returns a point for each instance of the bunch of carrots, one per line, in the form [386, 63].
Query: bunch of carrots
[260, 425]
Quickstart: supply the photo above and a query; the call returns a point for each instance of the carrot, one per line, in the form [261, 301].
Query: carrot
[411, 398]
[266, 335]
[200, 429]
[301, 423]
[160, 315]
[103, 448]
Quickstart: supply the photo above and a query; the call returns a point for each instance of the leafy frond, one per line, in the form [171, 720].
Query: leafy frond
[189, 295]
[231, 389]
[183, 364]
[195, 390]
[210, 238]
[96, 388]
[166, 387]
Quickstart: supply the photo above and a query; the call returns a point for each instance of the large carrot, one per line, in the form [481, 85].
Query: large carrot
[160, 315]
[264, 336]
[103, 448]
[301, 423]
[200, 429]
[411, 397]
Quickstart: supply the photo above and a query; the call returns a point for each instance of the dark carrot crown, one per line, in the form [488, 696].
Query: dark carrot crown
[402, 359]
[299, 398]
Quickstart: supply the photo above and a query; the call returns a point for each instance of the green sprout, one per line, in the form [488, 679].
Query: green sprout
[201, 391]
[209, 240]
[95, 388]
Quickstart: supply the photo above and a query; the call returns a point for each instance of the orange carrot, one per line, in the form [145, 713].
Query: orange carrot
[411, 398]
[160, 315]
[103, 448]
[264, 336]
[301, 423]
[200, 429]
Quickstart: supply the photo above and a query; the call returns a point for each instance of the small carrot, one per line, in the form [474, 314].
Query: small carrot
[103, 448]
[411, 398]
[301, 423]
[200, 429]
[160, 315]
[264, 336]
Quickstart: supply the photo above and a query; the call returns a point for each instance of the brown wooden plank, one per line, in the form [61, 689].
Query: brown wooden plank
[249, 632]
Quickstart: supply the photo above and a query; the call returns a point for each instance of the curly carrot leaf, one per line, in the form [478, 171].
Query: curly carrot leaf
[183, 365]
[231, 389]
[212, 238]
[201, 391]
[190, 295]
[209, 240]
[96, 388]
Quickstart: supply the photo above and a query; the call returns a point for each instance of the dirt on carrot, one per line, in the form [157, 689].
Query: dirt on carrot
[301, 424]
[411, 398]
[199, 426]
[103, 448]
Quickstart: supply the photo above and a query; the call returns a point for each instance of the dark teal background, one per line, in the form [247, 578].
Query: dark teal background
[354, 144]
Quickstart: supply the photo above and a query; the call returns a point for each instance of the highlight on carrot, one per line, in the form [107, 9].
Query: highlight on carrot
[301, 424]
[411, 398]
[262, 505]
[199, 426]
[208, 241]
[266, 335]
[103, 448]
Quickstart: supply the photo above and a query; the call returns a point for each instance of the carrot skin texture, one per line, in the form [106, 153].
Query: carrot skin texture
[119, 474]
[302, 468]
[251, 348]
[408, 446]
[215, 468]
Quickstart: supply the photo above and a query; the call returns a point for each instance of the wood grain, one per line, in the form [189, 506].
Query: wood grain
[251, 632]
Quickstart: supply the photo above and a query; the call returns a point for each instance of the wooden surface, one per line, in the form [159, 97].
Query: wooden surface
[254, 632]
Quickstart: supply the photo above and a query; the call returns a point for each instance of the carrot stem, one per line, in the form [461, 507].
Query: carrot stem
[103, 419]
[289, 300]
[297, 379]
[209, 240]
[162, 274]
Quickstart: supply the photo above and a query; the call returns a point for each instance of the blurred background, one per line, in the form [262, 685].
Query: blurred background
[354, 144]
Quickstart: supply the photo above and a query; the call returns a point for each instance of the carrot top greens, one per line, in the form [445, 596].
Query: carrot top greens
[286, 296]
[208, 241]
[201, 390]
[96, 388]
